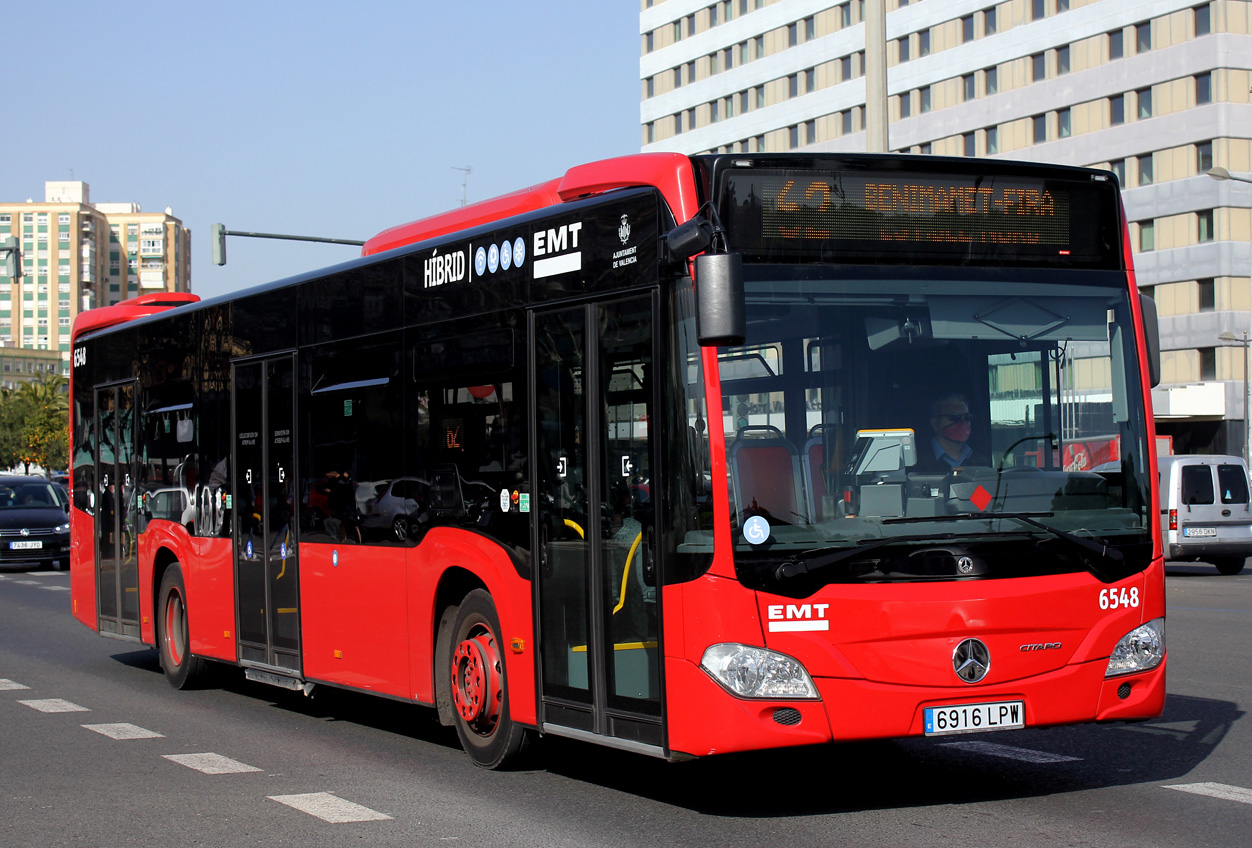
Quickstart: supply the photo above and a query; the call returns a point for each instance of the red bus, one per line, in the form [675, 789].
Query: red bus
[678, 455]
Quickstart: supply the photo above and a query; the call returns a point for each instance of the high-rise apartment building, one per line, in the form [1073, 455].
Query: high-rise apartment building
[1155, 90]
[77, 255]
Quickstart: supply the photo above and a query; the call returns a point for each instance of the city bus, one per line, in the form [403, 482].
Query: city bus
[677, 455]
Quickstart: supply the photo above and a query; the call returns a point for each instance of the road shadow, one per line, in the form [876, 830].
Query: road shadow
[851, 777]
[1198, 569]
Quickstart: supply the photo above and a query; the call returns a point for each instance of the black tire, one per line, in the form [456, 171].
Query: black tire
[1229, 566]
[480, 701]
[182, 669]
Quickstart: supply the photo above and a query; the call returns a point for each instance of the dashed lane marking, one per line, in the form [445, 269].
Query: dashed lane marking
[1216, 790]
[56, 588]
[28, 582]
[211, 763]
[55, 705]
[1008, 752]
[124, 730]
[330, 808]
[6, 685]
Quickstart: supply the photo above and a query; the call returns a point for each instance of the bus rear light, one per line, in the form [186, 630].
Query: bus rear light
[1173, 519]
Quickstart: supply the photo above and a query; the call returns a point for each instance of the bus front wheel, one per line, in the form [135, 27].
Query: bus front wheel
[479, 693]
[182, 670]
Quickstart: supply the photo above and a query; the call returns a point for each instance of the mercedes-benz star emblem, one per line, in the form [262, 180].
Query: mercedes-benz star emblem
[965, 565]
[971, 660]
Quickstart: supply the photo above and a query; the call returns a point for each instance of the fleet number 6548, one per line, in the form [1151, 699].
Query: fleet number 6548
[1114, 598]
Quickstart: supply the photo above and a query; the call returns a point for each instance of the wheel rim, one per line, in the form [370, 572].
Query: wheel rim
[477, 690]
[175, 628]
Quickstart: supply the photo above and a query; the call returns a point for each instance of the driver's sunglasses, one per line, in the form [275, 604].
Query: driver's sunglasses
[958, 416]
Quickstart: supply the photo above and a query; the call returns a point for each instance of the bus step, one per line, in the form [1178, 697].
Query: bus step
[282, 681]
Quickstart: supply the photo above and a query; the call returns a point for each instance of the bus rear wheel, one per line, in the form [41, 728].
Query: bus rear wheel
[182, 670]
[479, 692]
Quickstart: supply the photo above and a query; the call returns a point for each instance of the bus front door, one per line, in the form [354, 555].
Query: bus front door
[595, 523]
[266, 572]
[117, 555]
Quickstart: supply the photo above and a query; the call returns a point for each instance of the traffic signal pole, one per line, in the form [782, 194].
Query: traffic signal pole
[220, 233]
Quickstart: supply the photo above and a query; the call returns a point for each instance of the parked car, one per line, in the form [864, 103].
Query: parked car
[1205, 511]
[34, 522]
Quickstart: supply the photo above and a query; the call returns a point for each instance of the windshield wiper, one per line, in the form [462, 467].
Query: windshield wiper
[1109, 559]
[811, 561]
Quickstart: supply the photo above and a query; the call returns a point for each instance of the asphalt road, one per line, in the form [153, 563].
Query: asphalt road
[98, 750]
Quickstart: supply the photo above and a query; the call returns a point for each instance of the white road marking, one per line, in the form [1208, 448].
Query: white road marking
[1216, 790]
[56, 588]
[210, 763]
[55, 705]
[124, 730]
[6, 685]
[1026, 755]
[330, 808]
[66, 573]
[28, 582]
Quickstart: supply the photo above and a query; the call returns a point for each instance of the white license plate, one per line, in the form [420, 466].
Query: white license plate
[1199, 531]
[25, 546]
[975, 718]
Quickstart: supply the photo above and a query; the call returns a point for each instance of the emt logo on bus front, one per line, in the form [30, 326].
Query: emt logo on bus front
[794, 617]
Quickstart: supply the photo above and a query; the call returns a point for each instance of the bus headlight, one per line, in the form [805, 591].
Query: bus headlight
[750, 672]
[1139, 650]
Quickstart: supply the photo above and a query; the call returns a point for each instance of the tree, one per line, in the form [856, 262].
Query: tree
[34, 424]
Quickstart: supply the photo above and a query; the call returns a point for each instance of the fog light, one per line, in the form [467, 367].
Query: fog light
[750, 672]
[1139, 650]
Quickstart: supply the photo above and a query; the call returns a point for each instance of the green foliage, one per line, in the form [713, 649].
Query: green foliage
[34, 424]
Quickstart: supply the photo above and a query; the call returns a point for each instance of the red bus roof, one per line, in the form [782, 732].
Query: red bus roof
[670, 173]
[129, 310]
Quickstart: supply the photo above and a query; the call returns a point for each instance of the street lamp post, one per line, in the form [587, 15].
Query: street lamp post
[1247, 391]
[1219, 173]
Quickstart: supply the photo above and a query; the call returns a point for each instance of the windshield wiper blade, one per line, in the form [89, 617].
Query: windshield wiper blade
[811, 561]
[1101, 550]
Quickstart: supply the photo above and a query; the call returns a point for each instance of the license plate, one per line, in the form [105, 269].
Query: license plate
[25, 546]
[1199, 531]
[975, 718]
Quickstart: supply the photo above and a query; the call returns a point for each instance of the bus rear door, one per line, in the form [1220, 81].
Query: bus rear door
[117, 554]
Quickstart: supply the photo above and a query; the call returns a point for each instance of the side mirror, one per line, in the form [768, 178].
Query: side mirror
[1151, 338]
[720, 312]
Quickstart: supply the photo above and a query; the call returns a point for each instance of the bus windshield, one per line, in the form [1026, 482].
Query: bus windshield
[935, 423]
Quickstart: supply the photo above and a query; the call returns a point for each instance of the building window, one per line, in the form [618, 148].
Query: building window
[1143, 37]
[992, 81]
[691, 24]
[691, 72]
[678, 30]
[1204, 229]
[1117, 110]
[1117, 48]
[902, 50]
[793, 85]
[845, 122]
[906, 104]
[713, 15]
[1063, 123]
[760, 46]
[648, 43]
[810, 132]
[923, 43]
[810, 81]
[1147, 235]
[713, 112]
[650, 87]
[793, 35]
[1119, 170]
[1208, 299]
[845, 68]
[1038, 67]
[1062, 60]
[1145, 169]
[713, 63]
[845, 15]
[760, 97]
[1039, 128]
[967, 84]
[1144, 98]
[678, 123]
[1203, 89]
[794, 136]
[1203, 26]
[1208, 363]
[967, 29]
[1204, 157]
[989, 21]
[810, 28]
[1037, 10]
[925, 97]
[993, 141]
[968, 140]
[1062, 6]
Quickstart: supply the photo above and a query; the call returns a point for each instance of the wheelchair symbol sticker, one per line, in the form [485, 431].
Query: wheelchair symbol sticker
[756, 530]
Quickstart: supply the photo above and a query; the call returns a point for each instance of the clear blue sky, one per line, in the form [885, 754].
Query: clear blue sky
[312, 118]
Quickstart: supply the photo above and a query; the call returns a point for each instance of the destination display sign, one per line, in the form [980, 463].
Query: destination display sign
[824, 216]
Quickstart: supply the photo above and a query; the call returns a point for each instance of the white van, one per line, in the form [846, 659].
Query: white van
[1205, 513]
